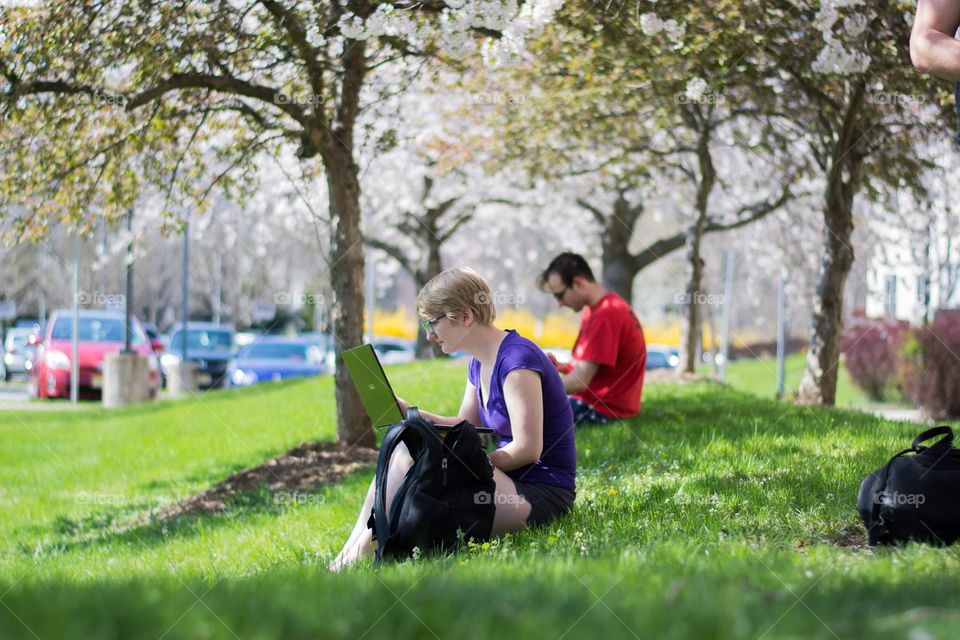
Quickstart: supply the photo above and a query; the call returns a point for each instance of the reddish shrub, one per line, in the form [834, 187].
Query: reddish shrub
[871, 353]
[931, 366]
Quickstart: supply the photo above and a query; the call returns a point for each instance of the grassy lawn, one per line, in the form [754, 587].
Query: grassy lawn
[715, 514]
[759, 377]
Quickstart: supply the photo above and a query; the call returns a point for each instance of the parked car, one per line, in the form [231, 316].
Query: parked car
[210, 346]
[276, 358]
[659, 357]
[100, 333]
[394, 350]
[153, 335]
[325, 342]
[243, 338]
[28, 323]
[17, 357]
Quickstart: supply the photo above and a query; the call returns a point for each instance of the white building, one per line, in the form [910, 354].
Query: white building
[915, 268]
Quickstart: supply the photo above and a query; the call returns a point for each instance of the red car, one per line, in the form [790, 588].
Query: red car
[101, 332]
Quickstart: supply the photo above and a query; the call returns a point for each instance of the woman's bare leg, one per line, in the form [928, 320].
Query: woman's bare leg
[513, 510]
[360, 542]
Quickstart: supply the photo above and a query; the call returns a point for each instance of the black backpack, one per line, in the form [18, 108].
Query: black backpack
[915, 497]
[446, 496]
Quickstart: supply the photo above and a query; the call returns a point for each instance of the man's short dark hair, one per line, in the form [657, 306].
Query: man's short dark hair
[568, 266]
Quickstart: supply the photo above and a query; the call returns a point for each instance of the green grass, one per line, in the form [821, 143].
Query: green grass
[714, 514]
[759, 377]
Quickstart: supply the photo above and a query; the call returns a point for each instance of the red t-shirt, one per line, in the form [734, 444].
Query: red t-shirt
[611, 336]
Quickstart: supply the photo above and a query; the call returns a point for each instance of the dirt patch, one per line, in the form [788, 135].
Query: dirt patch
[851, 538]
[303, 469]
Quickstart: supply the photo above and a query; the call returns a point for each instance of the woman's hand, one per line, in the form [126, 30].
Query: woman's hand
[404, 406]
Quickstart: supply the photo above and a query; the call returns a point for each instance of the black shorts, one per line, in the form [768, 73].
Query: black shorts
[546, 501]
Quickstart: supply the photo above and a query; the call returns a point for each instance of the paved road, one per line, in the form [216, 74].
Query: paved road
[16, 392]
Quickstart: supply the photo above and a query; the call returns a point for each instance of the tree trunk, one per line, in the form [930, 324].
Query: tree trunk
[694, 238]
[693, 295]
[346, 247]
[346, 277]
[619, 272]
[426, 349]
[819, 383]
[619, 266]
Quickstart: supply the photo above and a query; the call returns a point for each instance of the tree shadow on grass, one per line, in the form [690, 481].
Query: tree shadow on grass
[296, 477]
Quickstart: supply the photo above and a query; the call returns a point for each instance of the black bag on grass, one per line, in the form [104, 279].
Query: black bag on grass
[915, 497]
[446, 496]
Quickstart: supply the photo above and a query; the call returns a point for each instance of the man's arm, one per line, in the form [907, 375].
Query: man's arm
[577, 380]
[933, 48]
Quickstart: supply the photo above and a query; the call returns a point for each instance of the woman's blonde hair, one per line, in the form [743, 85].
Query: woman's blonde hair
[452, 292]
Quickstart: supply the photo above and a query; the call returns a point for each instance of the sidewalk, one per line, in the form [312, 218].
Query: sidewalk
[899, 414]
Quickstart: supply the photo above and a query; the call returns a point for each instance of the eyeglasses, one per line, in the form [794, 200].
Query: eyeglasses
[559, 295]
[428, 325]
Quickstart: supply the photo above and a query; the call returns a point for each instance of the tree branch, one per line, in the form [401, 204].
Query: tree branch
[393, 251]
[223, 83]
[464, 217]
[292, 24]
[598, 215]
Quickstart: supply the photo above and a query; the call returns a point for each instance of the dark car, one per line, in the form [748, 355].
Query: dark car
[276, 358]
[210, 346]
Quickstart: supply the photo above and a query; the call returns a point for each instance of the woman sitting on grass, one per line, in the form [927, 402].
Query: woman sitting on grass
[513, 388]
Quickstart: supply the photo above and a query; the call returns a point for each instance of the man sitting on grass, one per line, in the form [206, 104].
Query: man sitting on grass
[605, 378]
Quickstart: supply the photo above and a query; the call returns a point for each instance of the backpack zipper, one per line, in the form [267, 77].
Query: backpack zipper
[443, 465]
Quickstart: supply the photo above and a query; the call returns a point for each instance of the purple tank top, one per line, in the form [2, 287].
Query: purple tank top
[558, 462]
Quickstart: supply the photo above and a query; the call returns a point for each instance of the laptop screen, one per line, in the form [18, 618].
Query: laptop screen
[372, 385]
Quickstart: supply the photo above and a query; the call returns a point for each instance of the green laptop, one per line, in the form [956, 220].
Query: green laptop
[372, 385]
[375, 391]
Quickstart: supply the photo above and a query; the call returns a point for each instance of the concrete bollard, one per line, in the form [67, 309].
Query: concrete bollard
[126, 379]
[182, 379]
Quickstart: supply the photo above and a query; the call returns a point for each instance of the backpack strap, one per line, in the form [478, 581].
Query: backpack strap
[381, 526]
[929, 434]
[416, 434]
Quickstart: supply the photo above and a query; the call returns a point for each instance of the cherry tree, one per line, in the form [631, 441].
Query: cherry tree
[118, 95]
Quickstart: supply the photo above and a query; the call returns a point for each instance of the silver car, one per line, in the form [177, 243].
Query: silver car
[16, 353]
